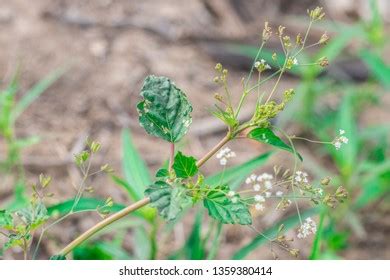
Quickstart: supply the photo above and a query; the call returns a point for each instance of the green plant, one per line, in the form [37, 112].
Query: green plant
[361, 167]
[10, 111]
[165, 112]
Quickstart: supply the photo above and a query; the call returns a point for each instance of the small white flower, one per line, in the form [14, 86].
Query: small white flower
[267, 66]
[259, 207]
[344, 139]
[339, 140]
[256, 187]
[301, 177]
[268, 194]
[235, 199]
[319, 191]
[257, 64]
[295, 61]
[279, 193]
[268, 185]
[259, 198]
[307, 228]
[231, 194]
[224, 154]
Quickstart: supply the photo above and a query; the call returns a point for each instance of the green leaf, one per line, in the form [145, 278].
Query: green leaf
[34, 215]
[126, 186]
[194, 248]
[184, 166]
[168, 201]
[316, 247]
[378, 67]
[84, 204]
[141, 243]
[134, 168]
[267, 136]
[259, 240]
[100, 250]
[58, 258]
[242, 170]
[162, 172]
[165, 111]
[6, 219]
[223, 209]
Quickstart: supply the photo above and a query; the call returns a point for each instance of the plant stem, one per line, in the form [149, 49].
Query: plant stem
[171, 156]
[207, 156]
[129, 209]
[135, 206]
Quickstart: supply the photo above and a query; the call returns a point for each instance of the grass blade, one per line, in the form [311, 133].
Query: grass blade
[134, 168]
[316, 248]
[32, 94]
[232, 173]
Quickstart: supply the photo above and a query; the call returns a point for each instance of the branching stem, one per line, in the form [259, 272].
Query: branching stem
[99, 226]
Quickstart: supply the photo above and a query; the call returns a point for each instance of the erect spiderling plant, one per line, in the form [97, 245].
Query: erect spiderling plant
[165, 112]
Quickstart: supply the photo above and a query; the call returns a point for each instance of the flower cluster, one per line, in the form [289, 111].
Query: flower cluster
[264, 180]
[340, 139]
[261, 65]
[301, 177]
[224, 154]
[263, 184]
[291, 61]
[307, 228]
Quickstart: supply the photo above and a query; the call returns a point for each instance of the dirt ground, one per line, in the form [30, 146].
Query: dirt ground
[109, 46]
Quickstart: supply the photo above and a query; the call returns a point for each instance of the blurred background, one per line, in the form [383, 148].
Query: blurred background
[74, 69]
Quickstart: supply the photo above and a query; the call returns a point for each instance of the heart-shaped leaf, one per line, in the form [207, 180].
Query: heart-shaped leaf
[267, 136]
[224, 209]
[184, 166]
[162, 172]
[165, 111]
[6, 219]
[169, 201]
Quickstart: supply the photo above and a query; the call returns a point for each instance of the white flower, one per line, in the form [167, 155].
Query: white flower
[235, 199]
[339, 140]
[231, 194]
[301, 177]
[268, 185]
[344, 139]
[224, 154]
[279, 193]
[268, 194]
[295, 61]
[259, 207]
[337, 144]
[257, 64]
[264, 177]
[259, 198]
[319, 191]
[256, 187]
[307, 228]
